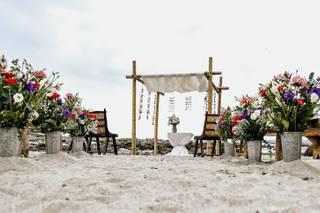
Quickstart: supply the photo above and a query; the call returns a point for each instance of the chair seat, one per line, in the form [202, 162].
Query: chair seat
[110, 135]
[204, 137]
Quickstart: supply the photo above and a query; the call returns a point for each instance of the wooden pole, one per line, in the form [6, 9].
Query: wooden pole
[278, 147]
[156, 121]
[219, 145]
[209, 144]
[220, 95]
[134, 115]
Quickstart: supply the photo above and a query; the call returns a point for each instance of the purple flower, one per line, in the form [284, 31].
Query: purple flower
[288, 96]
[30, 87]
[82, 116]
[66, 113]
[317, 91]
[245, 115]
[59, 101]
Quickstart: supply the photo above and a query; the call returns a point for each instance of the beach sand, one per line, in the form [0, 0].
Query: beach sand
[124, 183]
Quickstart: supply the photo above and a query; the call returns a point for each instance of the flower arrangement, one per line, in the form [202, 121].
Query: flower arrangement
[249, 121]
[22, 90]
[79, 121]
[291, 101]
[52, 114]
[174, 121]
[225, 122]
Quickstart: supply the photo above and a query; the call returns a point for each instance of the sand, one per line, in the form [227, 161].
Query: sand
[92, 183]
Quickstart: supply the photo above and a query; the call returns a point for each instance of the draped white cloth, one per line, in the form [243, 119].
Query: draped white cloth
[176, 83]
[178, 141]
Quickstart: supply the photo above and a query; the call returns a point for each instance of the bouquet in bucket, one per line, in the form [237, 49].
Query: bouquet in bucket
[174, 121]
[225, 122]
[250, 120]
[291, 101]
[51, 115]
[79, 121]
[22, 90]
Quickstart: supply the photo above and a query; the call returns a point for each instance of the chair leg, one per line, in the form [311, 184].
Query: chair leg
[196, 149]
[70, 147]
[89, 145]
[85, 146]
[106, 145]
[201, 147]
[213, 148]
[98, 146]
[115, 145]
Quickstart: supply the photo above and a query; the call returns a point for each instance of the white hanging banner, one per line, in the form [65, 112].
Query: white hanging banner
[176, 83]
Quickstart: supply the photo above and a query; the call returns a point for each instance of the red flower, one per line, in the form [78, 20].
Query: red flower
[262, 93]
[9, 75]
[73, 116]
[92, 116]
[55, 96]
[280, 88]
[300, 101]
[237, 118]
[10, 81]
[36, 85]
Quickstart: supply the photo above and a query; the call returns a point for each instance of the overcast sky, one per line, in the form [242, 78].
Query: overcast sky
[92, 43]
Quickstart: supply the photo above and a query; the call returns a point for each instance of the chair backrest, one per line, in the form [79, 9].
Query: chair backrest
[210, 124]
[102, 124]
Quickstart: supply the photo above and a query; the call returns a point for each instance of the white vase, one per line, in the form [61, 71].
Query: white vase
[291, 146]
[9, 142]
[254, 150]
[53, 142]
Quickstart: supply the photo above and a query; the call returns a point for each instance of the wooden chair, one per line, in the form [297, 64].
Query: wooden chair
[209, 133]
[102, 132]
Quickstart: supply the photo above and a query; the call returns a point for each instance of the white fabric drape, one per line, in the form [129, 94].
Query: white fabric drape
[176, 83]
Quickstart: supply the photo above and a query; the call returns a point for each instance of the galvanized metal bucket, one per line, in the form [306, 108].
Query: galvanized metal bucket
[291, 146]
[77, 144]
[228, 148]
[53, 142]
[9, 142]
[254, 150]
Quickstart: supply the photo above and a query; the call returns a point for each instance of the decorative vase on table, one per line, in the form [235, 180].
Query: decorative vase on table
[53, 142]
[291, 100]
[254, 150]
[9, 142]
[174, 128]
[174, 121]
[228, 147]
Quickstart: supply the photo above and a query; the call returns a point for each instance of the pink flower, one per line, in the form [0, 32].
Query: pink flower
[39, 74]
[69, 95]
[301, 81]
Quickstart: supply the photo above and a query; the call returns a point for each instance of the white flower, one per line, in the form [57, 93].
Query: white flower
[253, 116]
[314, 97]
[18, 98]
[49, 94]
[35, 114]
[274, 89]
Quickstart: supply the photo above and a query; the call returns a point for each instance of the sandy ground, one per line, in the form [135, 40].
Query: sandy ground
[84, 183]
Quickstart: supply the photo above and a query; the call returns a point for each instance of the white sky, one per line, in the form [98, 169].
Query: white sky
[92, 44]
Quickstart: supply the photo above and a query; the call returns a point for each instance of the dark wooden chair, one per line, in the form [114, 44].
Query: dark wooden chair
[102, 132]
[209, 133]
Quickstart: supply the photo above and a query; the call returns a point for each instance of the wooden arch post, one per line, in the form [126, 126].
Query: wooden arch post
[134, 114]
[209, 144]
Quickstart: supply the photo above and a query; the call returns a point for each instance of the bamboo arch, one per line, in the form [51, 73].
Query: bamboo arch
[211, 86]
